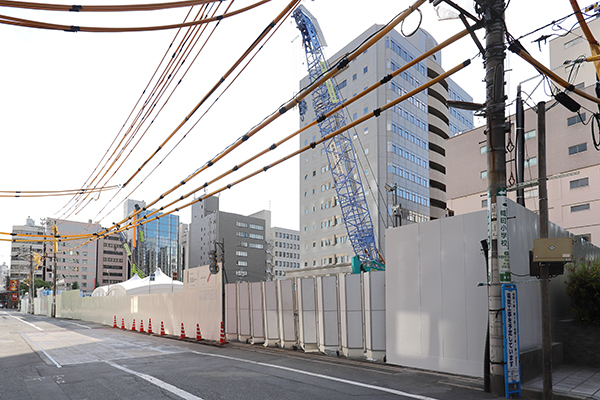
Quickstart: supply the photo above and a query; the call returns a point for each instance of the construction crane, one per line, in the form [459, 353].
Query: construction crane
[339, 149]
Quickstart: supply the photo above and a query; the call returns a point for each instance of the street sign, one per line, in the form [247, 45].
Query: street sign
[13, 285]
[14, 296]
[510, 325]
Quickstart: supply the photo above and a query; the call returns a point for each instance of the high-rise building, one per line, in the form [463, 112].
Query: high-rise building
[21, 252]
[156, 241]
[184, 250]
[403, 147]
[76, 260]
[111, 262]
[242, 238]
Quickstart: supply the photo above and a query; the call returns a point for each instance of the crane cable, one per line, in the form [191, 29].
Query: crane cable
[163, 87]
[7, 20]
[188, 131]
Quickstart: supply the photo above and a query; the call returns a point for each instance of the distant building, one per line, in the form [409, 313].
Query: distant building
[20, 252]
[404, 146]
[282, 247]
[243, 239]
[156, 241]
[111, 262]
[76, 260]
[4, 274]
[184, 250]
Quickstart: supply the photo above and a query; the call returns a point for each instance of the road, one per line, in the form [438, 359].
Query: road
[45, 358]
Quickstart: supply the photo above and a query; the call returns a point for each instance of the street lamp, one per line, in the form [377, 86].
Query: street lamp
[396, 208]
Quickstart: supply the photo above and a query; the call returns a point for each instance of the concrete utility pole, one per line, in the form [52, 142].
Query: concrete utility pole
[54, 272]
[544, 267]
[492, 12]
[31, 280]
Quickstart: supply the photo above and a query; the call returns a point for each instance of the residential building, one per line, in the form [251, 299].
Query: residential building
[573, 199]
[21, 252]
[76, 260]
[156, 241]
[240, 237]
[4, 274]
[282, 247]
[403, 147]
[111, 263]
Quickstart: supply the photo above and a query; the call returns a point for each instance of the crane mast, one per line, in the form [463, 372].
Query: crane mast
[339, 149]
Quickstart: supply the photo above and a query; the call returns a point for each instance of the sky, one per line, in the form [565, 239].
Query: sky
[65, 97]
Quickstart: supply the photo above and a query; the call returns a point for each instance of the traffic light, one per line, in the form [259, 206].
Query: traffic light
[212, 262]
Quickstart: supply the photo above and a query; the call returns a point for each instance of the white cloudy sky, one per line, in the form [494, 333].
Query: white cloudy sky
[66, 95]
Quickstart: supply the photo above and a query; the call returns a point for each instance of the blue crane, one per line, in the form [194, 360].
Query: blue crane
[339, 149]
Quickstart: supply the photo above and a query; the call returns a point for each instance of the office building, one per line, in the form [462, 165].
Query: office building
[21, 257]
[242, 238]
[111, 262]
[156, 244]
[403, 147]
[184, 250]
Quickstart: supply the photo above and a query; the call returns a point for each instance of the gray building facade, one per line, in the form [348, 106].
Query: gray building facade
[242, 237]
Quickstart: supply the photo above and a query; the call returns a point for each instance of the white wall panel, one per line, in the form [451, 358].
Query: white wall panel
[270, 309]
[256, 305]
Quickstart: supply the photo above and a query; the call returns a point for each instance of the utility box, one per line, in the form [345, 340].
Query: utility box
[553, 250]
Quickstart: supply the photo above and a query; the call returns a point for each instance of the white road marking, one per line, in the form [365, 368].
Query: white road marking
[332, 378]
[28, 323]
[164, 385]
[83, 326]
[42, 350]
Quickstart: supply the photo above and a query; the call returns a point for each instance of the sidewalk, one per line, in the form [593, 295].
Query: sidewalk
[568, 382]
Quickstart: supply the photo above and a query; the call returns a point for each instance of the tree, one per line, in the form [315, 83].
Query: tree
[75, 285]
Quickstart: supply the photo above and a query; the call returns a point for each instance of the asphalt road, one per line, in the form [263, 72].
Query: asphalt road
[45, 358]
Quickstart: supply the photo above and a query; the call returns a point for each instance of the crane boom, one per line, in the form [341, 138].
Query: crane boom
[339, 149]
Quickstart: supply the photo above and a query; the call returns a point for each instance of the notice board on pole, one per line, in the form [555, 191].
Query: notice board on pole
[510, 327]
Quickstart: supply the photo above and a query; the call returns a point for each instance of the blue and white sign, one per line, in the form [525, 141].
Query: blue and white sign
[510, 327]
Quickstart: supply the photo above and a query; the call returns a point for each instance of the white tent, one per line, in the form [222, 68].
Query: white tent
[100, 291]
[160, 284]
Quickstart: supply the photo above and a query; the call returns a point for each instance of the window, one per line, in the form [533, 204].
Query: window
[242, 244]
[354, 76]
[365, 69]
[342, 84]
[577, 183]
[576, 119]
[256, 246]
[354, 116]
[530, 134]
[241, 253]
[241, 224]
[530, 162]
[484, 203]
[581, 207]
[256, 236]
[366, 130]
[366, 110]
[580, 148]
[483, 174]
[483, 149]
[315, 173]
[241, 263]
[241, 234]
[257, 227]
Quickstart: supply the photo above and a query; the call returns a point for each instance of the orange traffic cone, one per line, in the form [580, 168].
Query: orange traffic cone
[198, 334]
[122, 323]
[182, 336]
[133, 325]
[222, 338]
[162, 329]
[150, 326]
[142, 326]
[115, 322]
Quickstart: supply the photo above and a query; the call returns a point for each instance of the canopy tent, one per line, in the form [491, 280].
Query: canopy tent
[160, 283]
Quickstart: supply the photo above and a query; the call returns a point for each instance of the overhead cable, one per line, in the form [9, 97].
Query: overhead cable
[112, 8]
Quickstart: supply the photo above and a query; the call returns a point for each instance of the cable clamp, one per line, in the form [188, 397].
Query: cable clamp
[229, 186]
[219, 17]
[183, 182]
[377, 112]
[73, 29]
[343, 63]
[245, 137]
[75, 8]
[386, 79]
[235, 168]
[181, 198]
[210, 164]
[282, 110]
[313, 145]
[321, 118]
[265, 168]
[273, 147]
[205, 185]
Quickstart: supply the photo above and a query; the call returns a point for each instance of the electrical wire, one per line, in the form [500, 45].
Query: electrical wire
[7, 20]
[112, 8]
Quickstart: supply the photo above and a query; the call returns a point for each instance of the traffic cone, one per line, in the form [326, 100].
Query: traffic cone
[198, 334]
[122, 323]
[182, 336]
[222, 339]
[150, 326]
[142, 326]
[162, 329]
[133, 325]
[115, 322]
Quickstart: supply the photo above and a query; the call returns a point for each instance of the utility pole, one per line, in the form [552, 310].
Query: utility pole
[30, 311]
[520, 148]
[492, 12]
[54, 269]
[544, 267]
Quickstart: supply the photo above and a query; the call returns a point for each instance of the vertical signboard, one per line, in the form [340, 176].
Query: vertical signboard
[502, 226]
[13, 285]
[510, 326]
